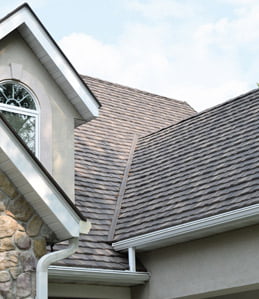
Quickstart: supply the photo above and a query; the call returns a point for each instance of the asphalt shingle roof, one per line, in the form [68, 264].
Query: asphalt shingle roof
[101, 152]
[205, 165]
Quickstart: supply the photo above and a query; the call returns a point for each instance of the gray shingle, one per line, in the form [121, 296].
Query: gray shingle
[101, 153]
[205, 165]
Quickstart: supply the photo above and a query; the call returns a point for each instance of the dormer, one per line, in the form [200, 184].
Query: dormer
[41, 95]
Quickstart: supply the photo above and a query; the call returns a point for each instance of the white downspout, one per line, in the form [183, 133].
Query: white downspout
[43, 264]
[132, 259]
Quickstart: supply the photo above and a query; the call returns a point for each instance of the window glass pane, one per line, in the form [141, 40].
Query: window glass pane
[24, 126]
[16, 95]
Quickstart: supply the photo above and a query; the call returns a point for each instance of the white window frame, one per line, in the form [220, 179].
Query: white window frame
[19, 110]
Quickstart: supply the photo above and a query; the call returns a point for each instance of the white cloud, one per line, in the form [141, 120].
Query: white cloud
[163, 8]
[233, 32]
[91, 56]
[240, 2]
[127, 62]
[203, 68]
[179, 49]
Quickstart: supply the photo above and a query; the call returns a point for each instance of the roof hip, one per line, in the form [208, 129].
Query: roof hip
[122, 188]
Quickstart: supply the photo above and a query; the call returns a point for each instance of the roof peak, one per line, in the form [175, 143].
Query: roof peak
[134, 89]
[25, 21]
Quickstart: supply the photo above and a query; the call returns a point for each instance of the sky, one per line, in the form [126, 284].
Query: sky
[203, 52]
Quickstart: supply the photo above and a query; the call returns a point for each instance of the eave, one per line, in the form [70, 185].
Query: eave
[37, 186]
[97, 276]
[52, 58]
[192, 230]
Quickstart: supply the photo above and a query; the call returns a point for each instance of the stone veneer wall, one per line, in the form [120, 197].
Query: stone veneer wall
[23, 239]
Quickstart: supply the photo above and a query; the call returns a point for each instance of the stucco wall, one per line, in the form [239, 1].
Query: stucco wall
[18, 62]
[88, 291]
[23, 238]
[242, 295]
[217, 265]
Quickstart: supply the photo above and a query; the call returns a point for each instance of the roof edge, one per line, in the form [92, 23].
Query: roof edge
[198, 114]
[58, 47]
[192, 230]
[23, 15]
[104, 276]
[43, 169]
[145, 92]
[38, 187]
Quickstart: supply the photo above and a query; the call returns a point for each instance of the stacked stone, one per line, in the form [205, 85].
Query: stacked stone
[23, 238]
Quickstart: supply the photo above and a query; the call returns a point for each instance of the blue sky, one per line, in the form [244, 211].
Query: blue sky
[203, 52]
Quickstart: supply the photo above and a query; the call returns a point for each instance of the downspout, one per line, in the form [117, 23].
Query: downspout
[132, 259]
[45, 261]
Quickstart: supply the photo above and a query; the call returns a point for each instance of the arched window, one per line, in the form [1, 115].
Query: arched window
[20, 109]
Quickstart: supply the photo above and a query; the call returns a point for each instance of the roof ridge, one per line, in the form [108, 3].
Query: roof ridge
[122, 189]
[203, 112]
[136, 89]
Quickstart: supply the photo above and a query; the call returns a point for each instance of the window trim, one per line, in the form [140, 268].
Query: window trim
[16, 72]
[26, 111]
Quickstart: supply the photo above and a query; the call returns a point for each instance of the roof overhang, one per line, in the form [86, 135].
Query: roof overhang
[192, 230]
[38, 187]
[50, 55]
[96, 276]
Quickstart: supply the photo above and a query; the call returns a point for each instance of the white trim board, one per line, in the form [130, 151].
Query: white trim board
[36, 187]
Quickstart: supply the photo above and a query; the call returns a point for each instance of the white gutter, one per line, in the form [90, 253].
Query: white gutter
[102, 276]
[43, 264]
[192, 230]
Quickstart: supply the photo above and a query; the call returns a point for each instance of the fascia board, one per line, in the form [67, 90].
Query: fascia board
[103, 276]
[41, 193]
[192, 230]
[25, 16]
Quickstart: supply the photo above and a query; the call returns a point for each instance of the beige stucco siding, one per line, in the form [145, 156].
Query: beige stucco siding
[242, 295]
[221, 264]
[88, 291]
[17, 61]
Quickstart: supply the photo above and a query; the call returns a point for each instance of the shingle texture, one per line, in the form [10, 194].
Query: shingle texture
[101, 152]
[205, 165]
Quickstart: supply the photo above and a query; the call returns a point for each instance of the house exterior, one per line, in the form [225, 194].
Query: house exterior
[38, 115]
[111, 192]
